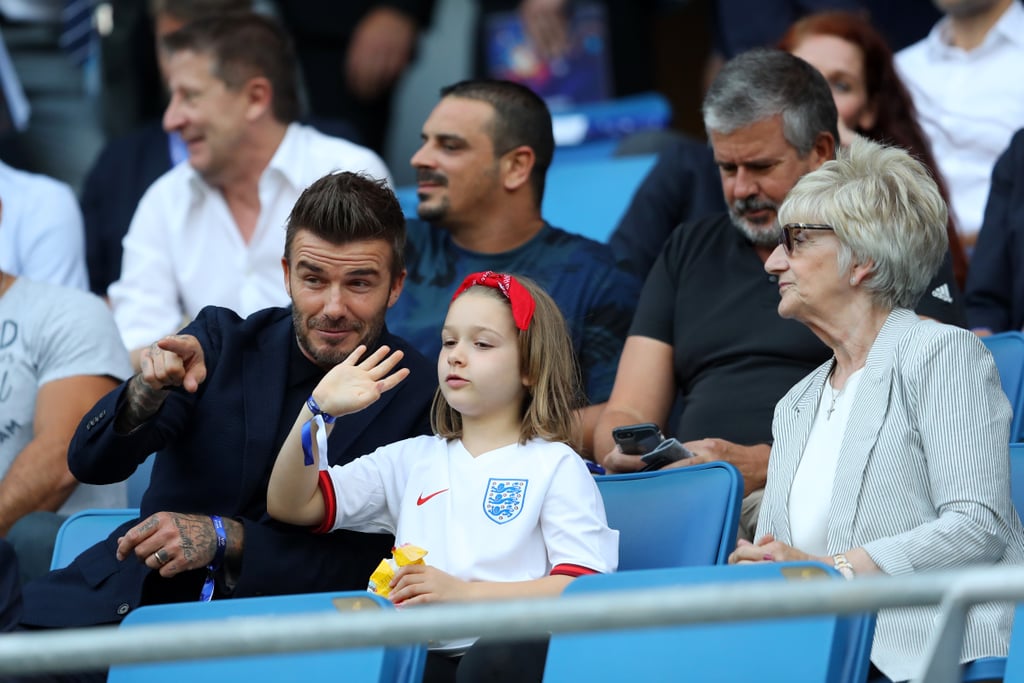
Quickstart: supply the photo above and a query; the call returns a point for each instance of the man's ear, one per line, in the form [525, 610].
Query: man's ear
[516, 167]
[287, 278]
[396, 288]
[824, 149]
[260, 97]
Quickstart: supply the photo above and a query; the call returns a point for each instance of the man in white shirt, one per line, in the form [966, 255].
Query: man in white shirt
[42, 237]
[211, 231]
[964, 78]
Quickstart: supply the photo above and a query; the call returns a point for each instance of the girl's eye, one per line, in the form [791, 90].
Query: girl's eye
[448, 343]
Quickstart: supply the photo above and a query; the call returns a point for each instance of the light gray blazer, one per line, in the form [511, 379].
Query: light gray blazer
[923, 477]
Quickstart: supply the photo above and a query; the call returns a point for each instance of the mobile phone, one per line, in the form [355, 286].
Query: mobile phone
[637, 439]
[668, 451]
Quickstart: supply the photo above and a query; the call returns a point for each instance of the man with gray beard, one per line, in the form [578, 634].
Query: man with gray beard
[706, 336]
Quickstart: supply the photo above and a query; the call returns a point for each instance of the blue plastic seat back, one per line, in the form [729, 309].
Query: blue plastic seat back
[1008, 351]
[674, 518]
[85, 529]
[364, 665]
[826, 648]
[589, 197]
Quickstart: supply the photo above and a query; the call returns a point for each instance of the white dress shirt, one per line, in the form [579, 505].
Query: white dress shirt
[969, 104]
[183, 250]
[41, 232]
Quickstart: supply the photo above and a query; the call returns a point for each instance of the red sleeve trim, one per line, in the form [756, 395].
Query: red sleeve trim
[330, 503]
[573, 570]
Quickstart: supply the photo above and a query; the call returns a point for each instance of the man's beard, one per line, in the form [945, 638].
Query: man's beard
[327, 356]
[760, 234]
[432, 214]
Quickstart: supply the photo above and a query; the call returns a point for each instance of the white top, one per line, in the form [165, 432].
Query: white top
[811, 494]
[41, 233]
[516, 513]
[49, 333]
[969, 105]
[183, 250]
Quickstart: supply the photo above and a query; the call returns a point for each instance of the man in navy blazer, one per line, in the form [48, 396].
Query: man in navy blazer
[217, 400]
[995, 281]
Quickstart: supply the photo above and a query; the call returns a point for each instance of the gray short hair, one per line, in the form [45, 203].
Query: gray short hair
[886, 209]
[762, 83]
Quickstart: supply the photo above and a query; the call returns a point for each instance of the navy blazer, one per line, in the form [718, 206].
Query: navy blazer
[125, 169]
[216, 449]
[995, 282]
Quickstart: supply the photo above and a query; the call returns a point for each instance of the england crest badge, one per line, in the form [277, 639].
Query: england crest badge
[504, 499]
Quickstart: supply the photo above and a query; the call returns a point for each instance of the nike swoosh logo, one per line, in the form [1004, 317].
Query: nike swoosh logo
[423, 499]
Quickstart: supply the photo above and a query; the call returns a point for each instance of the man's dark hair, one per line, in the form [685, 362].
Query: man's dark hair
[349, 207]
[763, 83]
[520, 118]
[245, 45]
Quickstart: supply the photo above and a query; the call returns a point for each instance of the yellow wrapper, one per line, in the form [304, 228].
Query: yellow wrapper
[380, 579]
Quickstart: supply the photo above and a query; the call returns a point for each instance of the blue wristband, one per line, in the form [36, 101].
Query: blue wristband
[206, 594]
[315, 408]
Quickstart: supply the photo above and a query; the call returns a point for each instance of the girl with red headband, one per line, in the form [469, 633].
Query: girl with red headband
[503, 505]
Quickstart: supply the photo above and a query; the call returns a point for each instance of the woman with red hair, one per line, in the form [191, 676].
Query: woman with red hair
[871, 100]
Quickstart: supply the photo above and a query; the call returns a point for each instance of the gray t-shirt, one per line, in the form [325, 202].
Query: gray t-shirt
[49, 333]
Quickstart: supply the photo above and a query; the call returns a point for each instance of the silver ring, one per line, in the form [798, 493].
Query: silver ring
[161, 557]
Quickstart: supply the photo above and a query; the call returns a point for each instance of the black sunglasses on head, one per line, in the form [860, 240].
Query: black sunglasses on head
[786, 234]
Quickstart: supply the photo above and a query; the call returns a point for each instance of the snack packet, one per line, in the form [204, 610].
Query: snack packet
[380, 579]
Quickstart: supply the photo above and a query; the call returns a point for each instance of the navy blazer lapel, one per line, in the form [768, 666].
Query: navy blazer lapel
[264, 373]
[870, 406]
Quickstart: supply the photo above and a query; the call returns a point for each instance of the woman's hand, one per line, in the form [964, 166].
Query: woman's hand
[767, 549]
[352, 385]
[419, 584]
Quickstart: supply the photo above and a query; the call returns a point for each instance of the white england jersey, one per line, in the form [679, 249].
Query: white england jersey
[516, 513]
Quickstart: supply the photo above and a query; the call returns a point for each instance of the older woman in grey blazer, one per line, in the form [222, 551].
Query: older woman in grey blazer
[893, 456]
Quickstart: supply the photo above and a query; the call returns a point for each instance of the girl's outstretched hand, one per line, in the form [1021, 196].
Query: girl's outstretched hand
[357, 382]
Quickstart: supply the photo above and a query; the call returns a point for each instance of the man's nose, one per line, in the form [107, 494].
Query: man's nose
[173, 120]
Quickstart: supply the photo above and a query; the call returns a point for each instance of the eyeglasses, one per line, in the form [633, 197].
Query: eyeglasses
[789, 229]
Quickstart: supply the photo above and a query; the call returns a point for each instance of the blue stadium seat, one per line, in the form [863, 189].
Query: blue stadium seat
[674, 518]
[84, 529]
[365, 665]
[1017, 477]
[827, 648]
[1008, 350]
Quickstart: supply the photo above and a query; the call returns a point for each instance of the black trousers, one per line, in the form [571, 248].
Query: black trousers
[520, 661]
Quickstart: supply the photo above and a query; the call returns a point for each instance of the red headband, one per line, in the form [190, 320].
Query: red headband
[522, 302]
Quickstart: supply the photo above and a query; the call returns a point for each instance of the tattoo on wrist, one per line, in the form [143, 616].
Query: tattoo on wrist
[198, 539]
[141, 403]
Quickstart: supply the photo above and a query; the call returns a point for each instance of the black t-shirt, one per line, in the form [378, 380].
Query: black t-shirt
[709, 296]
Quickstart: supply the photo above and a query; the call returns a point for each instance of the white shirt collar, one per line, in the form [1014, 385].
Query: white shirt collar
[286, 163]
[1010, 27]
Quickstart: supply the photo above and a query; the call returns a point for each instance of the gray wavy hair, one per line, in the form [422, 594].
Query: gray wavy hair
[886, 209]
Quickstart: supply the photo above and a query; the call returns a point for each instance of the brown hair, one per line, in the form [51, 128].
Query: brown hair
[348, 207]
[245, 45]
[895, 115]
[547, 362]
